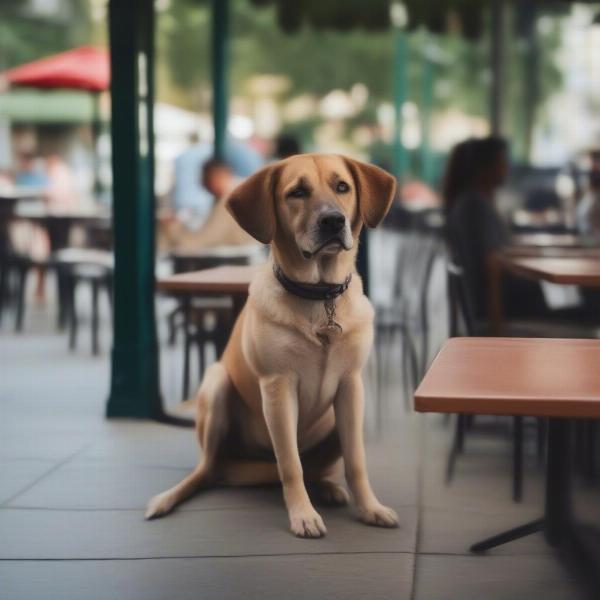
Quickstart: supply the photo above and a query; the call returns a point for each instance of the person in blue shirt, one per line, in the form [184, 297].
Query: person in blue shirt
[189, 196]
[28, 174]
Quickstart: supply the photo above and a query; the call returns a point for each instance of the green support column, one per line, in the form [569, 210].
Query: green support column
[427, 78]
[400, 88]
[220, 47]
[135, 380]
[96, 127]
[499, 17]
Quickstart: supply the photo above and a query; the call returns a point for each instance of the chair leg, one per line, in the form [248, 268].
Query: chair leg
[517, 459]
[69, 291]
[95, 317]
[62, 285]
[541, 440]
[3, 288]
[186, 349]
[21, 284]
[590, 450]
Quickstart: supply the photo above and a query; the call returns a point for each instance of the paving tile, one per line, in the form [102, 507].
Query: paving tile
[16, 475]
[348, 577]
[97, 485]
[25, 442]
[37, 534]
[493, 578]
[144, 443]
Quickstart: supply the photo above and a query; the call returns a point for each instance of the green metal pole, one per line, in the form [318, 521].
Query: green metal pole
[498, 55]
[135, 380]
[427, 77]
[400, 88]
[220, 51]
[96, 132]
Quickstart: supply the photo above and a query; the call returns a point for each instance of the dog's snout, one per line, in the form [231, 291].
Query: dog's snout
[332, 221]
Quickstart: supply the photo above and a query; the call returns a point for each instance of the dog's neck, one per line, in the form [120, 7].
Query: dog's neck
[323, 268]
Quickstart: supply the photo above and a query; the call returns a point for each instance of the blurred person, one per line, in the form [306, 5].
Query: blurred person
[219, 228]
[286, 145]
[588, 211]
[61, 192]
[191, 200]
[29, 173]
[475, 170]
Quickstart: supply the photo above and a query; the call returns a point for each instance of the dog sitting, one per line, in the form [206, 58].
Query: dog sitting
[285, 402]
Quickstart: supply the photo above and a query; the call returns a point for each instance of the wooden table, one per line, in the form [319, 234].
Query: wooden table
[208, 258]
[571, 267]
[228, 280]
[556, 378]
[232, 281]
[567, 270]
[551, 240]
[58, 223]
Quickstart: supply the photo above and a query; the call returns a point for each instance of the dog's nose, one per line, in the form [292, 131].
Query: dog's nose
[332, 221]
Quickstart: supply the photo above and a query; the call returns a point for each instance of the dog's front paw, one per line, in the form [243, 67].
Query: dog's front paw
[378, 515]
[307, 523]
[159, 506]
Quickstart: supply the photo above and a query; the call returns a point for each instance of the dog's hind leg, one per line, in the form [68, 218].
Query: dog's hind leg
[212, 424]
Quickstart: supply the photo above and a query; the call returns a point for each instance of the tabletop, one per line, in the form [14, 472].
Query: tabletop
[220, 280]
[572, 270]
[225, 251]
[552, 240]
[43, 213]
[514, 376]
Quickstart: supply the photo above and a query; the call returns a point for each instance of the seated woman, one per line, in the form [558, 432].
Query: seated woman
[475, 170]
[219, 228]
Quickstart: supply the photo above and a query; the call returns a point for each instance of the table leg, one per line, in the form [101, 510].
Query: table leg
[558, 480]
[557, 515]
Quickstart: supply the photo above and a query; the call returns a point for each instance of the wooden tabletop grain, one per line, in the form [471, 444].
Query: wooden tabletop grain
[220, 280]
[514, 376]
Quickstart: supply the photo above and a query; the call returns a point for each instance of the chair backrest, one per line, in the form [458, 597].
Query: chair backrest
[461, 314]
[414, 265]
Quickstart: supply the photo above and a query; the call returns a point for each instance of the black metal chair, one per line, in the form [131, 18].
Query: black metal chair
[84, 266]
[193, 315]
[463, 323]
[407, 317]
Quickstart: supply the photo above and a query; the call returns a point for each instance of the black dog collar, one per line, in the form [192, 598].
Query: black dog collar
[324, 292]
[311, 291]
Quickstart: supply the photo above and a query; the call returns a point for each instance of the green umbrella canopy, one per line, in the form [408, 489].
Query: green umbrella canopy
[466, 17]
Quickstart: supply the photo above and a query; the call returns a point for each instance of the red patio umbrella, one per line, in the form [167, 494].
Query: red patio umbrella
[84, 68]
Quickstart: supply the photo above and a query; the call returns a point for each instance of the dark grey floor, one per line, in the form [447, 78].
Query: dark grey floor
[73, 487]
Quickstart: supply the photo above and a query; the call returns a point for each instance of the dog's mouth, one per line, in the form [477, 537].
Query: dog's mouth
[331, 246]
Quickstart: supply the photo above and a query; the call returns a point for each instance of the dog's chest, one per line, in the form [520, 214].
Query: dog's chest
[318, 380]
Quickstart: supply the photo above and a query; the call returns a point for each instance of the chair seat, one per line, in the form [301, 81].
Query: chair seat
[84, 256]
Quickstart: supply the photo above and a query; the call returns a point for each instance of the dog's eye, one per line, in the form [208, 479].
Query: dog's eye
[298, 192]
[342, 187]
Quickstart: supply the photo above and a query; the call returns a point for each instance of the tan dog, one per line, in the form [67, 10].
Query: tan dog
[289, 382]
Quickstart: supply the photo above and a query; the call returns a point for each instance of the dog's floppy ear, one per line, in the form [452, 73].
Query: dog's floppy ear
[252, 204]
[375, 190]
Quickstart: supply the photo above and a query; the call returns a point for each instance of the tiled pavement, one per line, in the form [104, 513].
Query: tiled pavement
[73, 487]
